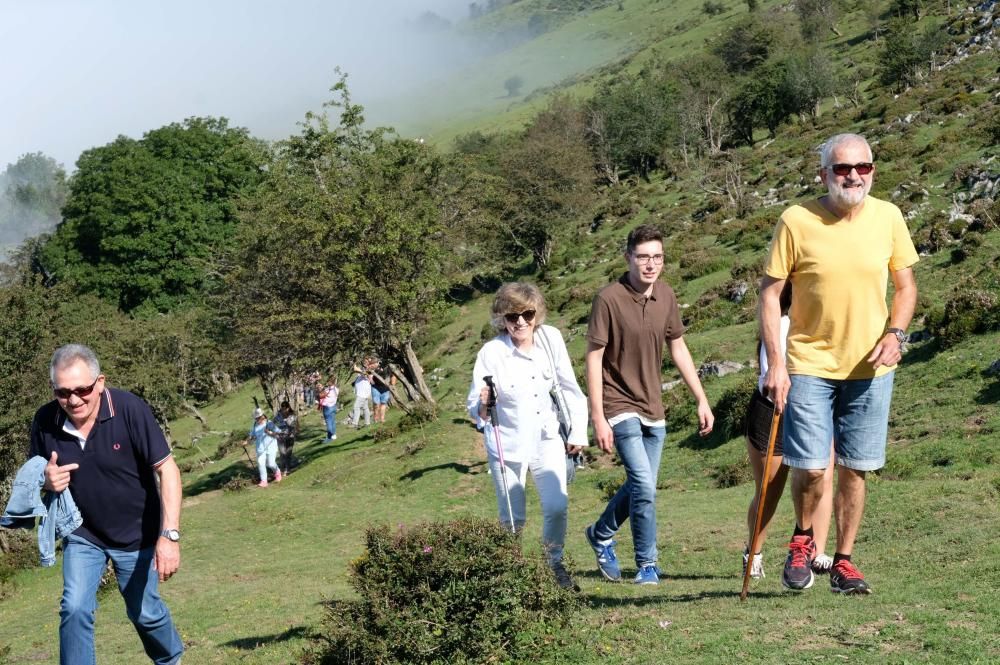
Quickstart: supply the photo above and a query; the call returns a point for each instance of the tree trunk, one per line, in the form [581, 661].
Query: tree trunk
[196, 413]
[416, 372]
[411, 392]
[404, 404]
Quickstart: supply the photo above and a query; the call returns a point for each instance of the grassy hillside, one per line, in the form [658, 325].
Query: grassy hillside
[258, 565]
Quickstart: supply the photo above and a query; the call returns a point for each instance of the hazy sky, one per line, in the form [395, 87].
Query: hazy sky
[77, 73]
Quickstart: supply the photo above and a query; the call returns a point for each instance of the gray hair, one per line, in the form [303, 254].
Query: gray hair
[68, 354]
[826, 150]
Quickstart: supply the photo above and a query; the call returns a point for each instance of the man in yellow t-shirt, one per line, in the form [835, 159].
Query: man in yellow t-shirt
[843, 345]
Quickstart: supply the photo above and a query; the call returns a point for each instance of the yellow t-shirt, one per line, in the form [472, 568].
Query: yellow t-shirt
[839, 272]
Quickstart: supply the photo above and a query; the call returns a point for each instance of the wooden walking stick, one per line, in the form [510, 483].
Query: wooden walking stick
[761, 498]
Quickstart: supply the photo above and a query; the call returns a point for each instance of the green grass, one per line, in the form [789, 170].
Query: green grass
[258, 564]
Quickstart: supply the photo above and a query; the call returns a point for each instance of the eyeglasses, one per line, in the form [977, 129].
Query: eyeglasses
[528, 315]
[863, 168]
[643, 259]
[82, 391]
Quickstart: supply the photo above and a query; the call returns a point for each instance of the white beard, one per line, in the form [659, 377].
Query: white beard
[847, 197]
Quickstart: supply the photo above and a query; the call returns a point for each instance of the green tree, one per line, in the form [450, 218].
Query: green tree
[816, 17]
[630, 123]
[905, 56]
[343, 250]
[746, 45]
[513, 85]
[32, 192]
[145, 218]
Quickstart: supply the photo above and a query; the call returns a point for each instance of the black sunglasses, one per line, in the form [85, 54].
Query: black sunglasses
[863, 168]
[528, 315]
[82, 391]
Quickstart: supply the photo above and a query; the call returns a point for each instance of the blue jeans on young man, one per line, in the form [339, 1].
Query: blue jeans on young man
[83, 565]
[639, 447]
[330, 416]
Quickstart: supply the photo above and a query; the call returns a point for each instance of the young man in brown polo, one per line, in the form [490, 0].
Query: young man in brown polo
[629, 322]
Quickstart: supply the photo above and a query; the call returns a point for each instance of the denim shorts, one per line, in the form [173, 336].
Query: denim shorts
[380, 396]
[853, 414]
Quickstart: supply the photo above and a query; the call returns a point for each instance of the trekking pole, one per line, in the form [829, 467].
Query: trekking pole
[494, 420]
[761, 498]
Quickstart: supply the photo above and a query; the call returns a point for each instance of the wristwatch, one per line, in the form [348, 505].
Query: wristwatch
[173, 535]
[898, 332]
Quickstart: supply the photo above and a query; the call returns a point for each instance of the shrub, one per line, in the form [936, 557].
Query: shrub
[970, 241]
[702, 262]
[731, 409]
[421, 414]
[732, 474]
[681, 410]
[974, 308]
[22, 553]
[713, 8]
[445, 592]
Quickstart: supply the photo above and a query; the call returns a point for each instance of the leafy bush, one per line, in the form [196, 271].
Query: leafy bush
[422, 413]
[22, 553]
[731, 409]
[970, 241]
[974, 308]
[444, 592]
[732, 474]
[702, 262]
[713, 8]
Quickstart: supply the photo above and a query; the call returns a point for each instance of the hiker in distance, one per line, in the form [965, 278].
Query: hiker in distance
[629, 322]
[527, 361]
[105, 447]
[264, 434]
[758, 428]
[843, 346]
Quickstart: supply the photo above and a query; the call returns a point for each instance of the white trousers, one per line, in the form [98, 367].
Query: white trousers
[548, 471]
[267, 459]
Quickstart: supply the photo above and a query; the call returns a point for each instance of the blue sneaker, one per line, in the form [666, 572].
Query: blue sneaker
[607, 562]
[648, 574]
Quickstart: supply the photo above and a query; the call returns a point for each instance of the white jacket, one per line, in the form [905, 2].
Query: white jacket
[525, 411]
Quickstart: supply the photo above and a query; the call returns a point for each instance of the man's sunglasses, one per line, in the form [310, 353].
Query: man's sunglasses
[82, 391]
[528, 315]
[863, 168]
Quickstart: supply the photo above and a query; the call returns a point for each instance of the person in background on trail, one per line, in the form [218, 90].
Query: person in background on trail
[105, 446]
[362, 394]
[328, 396]
[843, 346]
[521, 359]
[381, 379]
[309, 391]
[758, 429]
[287, 424]
[263, 433]
[629, 322]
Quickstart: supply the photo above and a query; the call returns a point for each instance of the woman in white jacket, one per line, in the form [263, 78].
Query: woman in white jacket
[525, 360]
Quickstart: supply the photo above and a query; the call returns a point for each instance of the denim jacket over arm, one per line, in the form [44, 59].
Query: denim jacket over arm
[60, 516]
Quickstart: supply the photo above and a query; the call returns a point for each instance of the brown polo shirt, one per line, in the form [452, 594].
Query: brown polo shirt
[632, 329]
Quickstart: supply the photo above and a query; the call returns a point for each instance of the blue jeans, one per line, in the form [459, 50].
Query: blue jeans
[330, 416]
[853, 414]
[83, 565]
[639, 447]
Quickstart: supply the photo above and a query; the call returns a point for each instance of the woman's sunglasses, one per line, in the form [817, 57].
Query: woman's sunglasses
[528, 315]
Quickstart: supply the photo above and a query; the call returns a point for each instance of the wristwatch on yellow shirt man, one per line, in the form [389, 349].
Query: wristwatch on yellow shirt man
[899, 333]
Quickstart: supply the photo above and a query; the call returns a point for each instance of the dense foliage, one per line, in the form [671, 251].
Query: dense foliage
[145, 218]
[445, 592]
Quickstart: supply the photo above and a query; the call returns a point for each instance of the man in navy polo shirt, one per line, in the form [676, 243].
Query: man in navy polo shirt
[104, 445]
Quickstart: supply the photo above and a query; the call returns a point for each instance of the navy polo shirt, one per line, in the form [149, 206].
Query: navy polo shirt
[115, 486]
